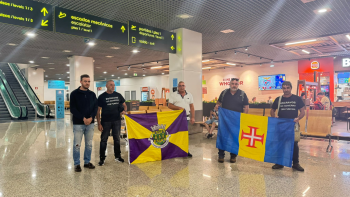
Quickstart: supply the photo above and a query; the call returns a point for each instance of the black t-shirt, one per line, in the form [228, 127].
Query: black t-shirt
[289, 106]
[111, 106]
[234, 102]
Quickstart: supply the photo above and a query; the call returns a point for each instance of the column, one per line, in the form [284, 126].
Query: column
[186, 65]
[79, 65]
[35, 77]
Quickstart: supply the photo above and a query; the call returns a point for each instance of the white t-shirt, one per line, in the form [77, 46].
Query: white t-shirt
[326, 103]
[183, 102]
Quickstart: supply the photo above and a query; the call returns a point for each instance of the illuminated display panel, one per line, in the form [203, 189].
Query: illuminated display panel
[26, 13]
[151, 38]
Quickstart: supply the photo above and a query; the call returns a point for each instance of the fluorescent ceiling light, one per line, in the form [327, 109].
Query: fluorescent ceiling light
[205, 60]
[45, 57]
[109, 56]
[227, 31]
[184, 16]
[112, 75]
[91, 44]
[31, 34]
[115, 48]
[206, 68]
[322, 10]
[32, 62]
[12, 44]
[232, 64]
[348, 36]
[272, 65]
[155, 67]
[305, 51]
[291, 43]
[135, 51]
[66, 51]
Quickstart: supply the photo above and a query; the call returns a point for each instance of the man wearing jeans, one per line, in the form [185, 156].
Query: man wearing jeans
[112, 105]
[83, 106]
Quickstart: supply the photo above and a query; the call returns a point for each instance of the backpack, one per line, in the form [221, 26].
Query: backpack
[224, 92]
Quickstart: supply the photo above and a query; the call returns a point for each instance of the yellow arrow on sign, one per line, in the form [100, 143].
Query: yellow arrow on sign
[123, 28]
[172, 47]
[172, 36]
[44, 23]
[44, 11]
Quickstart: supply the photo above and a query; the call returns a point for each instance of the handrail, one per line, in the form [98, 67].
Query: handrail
[29, 98]
[5, 101]
[13, 97]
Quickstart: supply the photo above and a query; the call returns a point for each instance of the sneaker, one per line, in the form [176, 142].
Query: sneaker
[189, 154]
[233, 160]
[119, 159]
[221, 160]
[298, 167]
[101, 163]
[77, 168]
[209, 135]
[277, 166]
[89, 165]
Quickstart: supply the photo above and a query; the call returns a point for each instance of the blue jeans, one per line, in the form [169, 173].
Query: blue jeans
[88, 132]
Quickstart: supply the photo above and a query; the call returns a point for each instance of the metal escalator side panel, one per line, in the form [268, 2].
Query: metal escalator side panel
[30, 94]
[15, 111]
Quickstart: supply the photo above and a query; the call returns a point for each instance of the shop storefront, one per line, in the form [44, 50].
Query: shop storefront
[342, 75]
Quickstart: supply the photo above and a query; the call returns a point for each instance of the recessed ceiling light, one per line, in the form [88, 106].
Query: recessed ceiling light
[51, 68]
[67, 64]
[232, 64]
[30, 34]
[162, 73]
[68, 77]
[91, 44]
[227, 31]
[112, 75]
[206, 68]
[66, 51]
[109, 56]
[118, 77]
[348, 36]
[45, 57]
[135, 51]
[272, 65]
[12, 44]
[59, 78]
[184, 16]
[205, 60]
[67, 72]
[305, 51]
[143, 75]
[305, 41]
[50, 63]
[46, 76]
[126, 73]
[115, 48]
[32, 62]
[105, 72]
[155, 67]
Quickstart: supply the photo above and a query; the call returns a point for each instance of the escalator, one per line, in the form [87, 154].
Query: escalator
[22, 90]
[9, 105]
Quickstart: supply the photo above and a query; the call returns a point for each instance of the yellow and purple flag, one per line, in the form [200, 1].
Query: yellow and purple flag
[260, 138]
[157, 136]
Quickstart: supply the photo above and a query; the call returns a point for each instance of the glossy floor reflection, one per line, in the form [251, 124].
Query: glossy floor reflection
[36, 160]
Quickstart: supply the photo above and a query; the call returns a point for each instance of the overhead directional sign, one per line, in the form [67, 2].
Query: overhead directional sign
[76, 23]
[151, 38]
[26, 13]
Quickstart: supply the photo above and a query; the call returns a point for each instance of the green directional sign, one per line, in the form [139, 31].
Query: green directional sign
[26, 13]
[76, 23]
[151, 38]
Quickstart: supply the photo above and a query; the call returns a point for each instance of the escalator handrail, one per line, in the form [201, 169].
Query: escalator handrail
[5, 101]
[34, 104]
[16, 104]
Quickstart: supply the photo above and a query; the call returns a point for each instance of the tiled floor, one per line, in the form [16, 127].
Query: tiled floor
[36, 160]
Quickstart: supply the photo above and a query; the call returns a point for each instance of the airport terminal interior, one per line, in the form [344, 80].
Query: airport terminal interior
[162, 57]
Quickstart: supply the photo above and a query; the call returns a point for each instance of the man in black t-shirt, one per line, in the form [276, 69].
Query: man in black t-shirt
[236, 100]
[112, 105]
[289, 107]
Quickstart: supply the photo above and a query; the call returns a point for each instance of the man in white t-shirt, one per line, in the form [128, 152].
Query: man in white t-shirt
[324, 100]
[183, 100]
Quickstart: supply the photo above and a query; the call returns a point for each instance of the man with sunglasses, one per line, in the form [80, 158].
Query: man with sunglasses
[236, 100]
[183, 100]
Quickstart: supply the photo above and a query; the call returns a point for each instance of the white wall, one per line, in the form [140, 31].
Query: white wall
[136, 83]
[249, 76]
[36, 81]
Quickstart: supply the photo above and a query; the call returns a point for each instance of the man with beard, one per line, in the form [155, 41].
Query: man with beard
[236, 100]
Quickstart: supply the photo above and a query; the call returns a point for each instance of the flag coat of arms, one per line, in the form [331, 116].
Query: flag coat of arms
[260, 138]
[157, 136]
